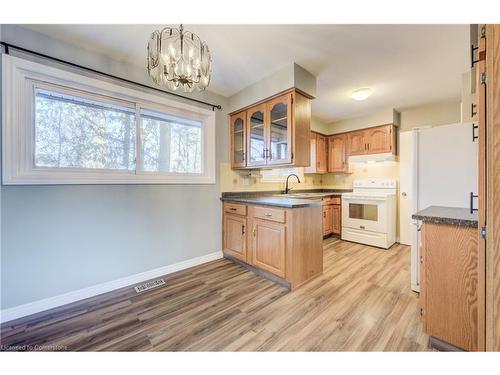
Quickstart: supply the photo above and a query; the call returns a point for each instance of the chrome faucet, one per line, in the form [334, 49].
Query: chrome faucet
[287, 189]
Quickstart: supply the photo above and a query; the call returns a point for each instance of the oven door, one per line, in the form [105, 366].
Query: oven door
[365, 213]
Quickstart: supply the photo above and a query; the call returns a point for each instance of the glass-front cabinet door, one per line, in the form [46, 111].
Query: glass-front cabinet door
[280, 132]
[238, 140]
[257, 136]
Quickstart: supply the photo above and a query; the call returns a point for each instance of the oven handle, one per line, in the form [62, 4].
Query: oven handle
[364, 199]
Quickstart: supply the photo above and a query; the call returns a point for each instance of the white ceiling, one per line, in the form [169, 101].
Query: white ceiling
[405, 65]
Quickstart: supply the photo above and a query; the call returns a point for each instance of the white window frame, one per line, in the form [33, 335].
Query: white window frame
[20, 77]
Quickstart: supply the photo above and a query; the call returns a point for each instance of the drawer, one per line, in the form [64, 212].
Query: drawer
[331, 200]
[234, 208]
[273, 214]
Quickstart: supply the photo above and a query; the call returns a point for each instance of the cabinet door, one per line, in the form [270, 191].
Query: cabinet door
[337, 153]
[312, 168]
[279, 113]
[238, 140]
[235, 243]
[380, 139]
[269, 246]
[356, 143]
[327, 220]
[321, 154]
[257, 136]
[449, 284]
[336, 215]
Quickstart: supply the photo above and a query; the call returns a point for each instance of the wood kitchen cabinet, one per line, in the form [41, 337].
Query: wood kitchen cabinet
[336, 217]
[381, 139]
[235, 242]
[449, 284]
[337, 154]
[277, 132]
[376, 140]
[332, 213]
[284, 244]
[257, 137]
[319, 154]
[269, 246]
[356, 143]
[238, 139]
[327, 220]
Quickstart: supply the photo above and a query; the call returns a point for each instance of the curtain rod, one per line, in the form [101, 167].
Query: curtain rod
[8, 46]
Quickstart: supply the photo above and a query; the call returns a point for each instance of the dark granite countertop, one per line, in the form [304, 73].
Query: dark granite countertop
[308, 198]
[447, 215]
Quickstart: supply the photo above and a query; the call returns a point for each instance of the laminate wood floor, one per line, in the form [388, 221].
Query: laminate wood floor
[361, 302]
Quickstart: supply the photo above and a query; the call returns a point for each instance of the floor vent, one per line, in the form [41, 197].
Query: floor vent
[149, 285]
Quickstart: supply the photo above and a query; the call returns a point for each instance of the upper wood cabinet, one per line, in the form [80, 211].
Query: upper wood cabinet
[257, 136]
[279, 130]
[277, 133]
[319, 154]
[238, 139]
[337, 153]
[381, 139]
[357, 143]
[376, 140]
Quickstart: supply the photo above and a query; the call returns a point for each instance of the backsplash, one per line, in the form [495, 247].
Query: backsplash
[245, 180]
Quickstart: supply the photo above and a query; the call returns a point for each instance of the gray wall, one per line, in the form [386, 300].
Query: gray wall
[57, 239]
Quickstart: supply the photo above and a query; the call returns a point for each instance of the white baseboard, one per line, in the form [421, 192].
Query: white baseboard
[77, 295]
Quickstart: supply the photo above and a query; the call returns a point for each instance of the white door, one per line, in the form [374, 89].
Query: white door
[405, 187]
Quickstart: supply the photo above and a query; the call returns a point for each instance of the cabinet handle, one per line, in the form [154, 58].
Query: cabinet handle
[324, 214]
[232, 209]
[472, 196]
[254, 230]
[473, 111]
[474, 136]
[242, 229]
[242, 155]
[268, 214]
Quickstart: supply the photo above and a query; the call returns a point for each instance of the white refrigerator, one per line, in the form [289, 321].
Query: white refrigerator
[444, 163]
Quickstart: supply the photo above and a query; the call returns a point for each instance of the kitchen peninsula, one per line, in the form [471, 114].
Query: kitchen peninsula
[279, 236]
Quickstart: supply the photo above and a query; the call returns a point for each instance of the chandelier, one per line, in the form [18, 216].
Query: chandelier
[179, 59]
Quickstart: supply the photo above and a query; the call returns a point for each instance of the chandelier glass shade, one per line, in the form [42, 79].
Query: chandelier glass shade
[179, 59]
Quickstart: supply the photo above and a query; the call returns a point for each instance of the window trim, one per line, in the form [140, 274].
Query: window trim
[20, 77]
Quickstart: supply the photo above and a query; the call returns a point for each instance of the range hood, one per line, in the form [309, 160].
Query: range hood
[373, 158]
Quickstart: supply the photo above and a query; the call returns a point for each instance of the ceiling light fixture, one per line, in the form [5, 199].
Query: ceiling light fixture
[361, 94]
[179, 58]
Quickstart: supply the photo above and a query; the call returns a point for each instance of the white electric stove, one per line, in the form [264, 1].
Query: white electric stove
[369, 213]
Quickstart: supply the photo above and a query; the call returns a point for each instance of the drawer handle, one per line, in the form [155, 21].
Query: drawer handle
[232, 209]
[268, 214]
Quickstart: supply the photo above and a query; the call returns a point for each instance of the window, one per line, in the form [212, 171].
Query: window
[63, 128]
[170, 144]
[71, 132]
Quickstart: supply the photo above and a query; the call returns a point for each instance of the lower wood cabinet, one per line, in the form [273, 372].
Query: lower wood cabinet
[450, 285]
[332, 213]
[336, 217]
[235, 236]
[284, 242]
[327, 220]
[269, 242]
